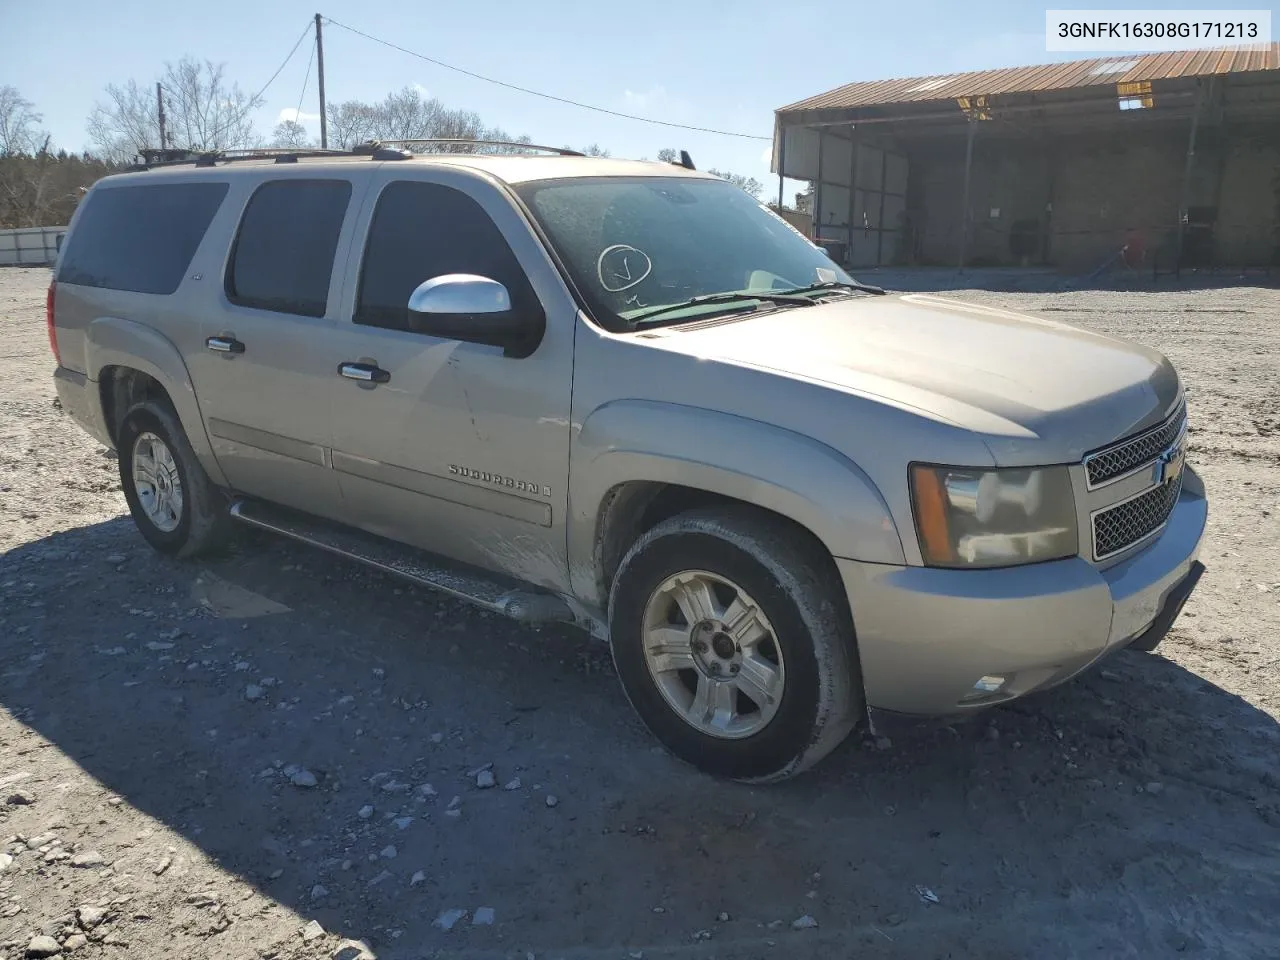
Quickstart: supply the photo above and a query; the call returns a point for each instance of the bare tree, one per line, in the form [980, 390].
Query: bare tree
[351, 123]
[203, 111]
[594, 150]
[42, 190]
[20, 131]
[407, 115]
[290, 133]
[749, 184]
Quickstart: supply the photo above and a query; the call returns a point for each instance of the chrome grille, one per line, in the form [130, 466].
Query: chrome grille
[1114, 462]
[1123, 525]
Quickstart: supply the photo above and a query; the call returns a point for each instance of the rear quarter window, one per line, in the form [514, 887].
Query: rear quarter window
[139, 238]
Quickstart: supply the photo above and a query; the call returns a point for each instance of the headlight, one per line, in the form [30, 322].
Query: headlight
[992, 518]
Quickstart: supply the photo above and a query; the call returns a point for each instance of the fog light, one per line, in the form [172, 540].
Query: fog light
[989, 684]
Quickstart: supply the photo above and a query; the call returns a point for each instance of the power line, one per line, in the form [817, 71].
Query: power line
[306, 77]
[545, 96]
[253, 101]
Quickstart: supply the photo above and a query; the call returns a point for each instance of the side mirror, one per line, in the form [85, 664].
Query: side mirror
[474, 309]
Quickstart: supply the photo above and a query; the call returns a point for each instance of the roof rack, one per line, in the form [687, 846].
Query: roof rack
[561, 151]
[377, 149]
[172, 158]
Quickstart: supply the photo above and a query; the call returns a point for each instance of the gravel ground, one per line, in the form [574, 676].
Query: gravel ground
[272, 753]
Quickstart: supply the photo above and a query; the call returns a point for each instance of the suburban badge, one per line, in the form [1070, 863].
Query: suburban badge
[498, 480]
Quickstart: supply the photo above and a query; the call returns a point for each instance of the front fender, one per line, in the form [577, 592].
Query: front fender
[117, 342]
[777, 469]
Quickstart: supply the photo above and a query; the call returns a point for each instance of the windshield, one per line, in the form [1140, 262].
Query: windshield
[634, 244]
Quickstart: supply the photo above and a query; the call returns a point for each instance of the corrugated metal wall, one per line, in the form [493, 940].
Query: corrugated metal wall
[1073, 202]
[868, 224]
[30, 246]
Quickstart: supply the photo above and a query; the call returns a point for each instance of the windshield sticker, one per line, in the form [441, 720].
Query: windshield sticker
[620, 267]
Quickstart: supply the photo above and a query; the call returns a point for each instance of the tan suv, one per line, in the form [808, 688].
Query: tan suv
[630, 396]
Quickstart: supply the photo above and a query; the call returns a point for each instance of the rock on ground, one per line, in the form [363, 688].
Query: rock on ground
[447, 919]
[43, 946]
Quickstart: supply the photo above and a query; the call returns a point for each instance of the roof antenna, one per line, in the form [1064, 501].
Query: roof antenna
[686, 161]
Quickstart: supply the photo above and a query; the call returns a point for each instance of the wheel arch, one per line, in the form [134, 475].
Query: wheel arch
[131, 361]
[639, 462]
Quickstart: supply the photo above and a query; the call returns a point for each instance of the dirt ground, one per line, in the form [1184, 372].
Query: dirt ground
[272, 753]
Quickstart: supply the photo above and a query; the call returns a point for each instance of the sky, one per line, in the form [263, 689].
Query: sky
[727, 66]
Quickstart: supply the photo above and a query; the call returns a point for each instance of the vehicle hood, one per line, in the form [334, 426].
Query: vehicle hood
[1031, 387]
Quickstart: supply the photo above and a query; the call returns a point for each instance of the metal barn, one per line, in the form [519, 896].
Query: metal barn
[1162, 160]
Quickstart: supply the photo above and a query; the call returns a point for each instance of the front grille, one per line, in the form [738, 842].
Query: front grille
[1114, 462]
[1126, 523]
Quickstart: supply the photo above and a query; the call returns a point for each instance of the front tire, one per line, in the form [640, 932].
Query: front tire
[733, 644]
[175, 505]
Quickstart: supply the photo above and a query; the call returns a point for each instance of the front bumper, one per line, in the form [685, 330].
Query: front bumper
[926, 636]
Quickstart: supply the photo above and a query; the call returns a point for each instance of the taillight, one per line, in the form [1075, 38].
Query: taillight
[48, 319]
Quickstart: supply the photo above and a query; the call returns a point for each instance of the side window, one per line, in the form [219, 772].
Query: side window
[424, 230]
[283, 254]
[140, 238]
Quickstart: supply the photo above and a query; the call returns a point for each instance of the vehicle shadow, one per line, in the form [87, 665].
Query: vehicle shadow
[1133, 812]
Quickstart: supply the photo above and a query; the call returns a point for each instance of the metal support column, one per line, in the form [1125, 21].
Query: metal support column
[884, 188]
[817, 193]
[782, 161]
[1051, 182]
[1185, 199]
[853, 188]
[968, 170]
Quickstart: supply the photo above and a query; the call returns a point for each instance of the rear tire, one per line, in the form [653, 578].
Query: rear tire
[733, 644]
[175, 505]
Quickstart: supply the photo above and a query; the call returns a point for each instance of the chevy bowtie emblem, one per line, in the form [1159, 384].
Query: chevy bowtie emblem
[1168, 466]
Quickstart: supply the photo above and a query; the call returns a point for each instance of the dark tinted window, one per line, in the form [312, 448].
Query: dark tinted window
[425, 230]
[283, 255]
[139, 238]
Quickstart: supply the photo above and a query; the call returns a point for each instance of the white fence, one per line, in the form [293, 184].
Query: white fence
[30, 246]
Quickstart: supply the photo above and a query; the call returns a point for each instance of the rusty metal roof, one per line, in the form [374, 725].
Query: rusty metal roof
[1051, 76]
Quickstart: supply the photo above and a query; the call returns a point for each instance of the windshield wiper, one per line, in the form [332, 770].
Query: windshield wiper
[787, 298]
[835, 285]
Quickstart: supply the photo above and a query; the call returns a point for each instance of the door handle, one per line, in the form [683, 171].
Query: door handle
[364, 372]
[224, 345]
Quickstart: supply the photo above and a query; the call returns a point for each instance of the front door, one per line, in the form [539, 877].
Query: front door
[262, 373]
[450, 445]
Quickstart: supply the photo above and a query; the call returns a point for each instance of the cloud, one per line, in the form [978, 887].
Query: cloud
[641, 101]
[766, 155]
[300, 116]
[422, 91]
[655, 102]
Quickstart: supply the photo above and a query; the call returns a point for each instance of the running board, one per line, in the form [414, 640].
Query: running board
[472, 585]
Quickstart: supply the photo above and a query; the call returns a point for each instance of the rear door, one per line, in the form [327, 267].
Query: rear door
[263, 374]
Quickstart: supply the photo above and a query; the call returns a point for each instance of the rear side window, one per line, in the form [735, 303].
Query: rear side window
[283, 254]
[139, 238]
[425, 230]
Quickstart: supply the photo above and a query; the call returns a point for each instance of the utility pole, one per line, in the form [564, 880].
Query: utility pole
[324, 120]
[160, 112]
